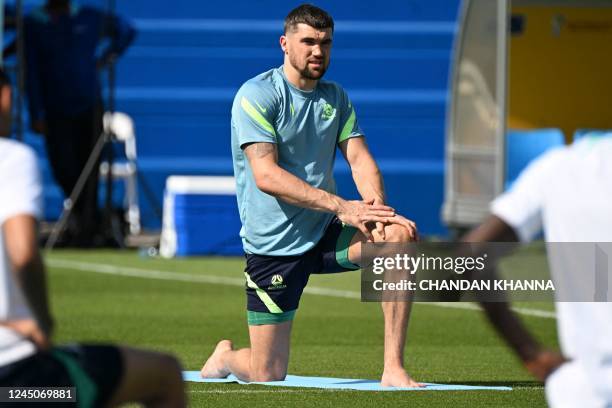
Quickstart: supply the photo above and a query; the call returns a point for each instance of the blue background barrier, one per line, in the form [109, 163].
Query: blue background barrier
[580, 133]
[523, 146]
[189, 58]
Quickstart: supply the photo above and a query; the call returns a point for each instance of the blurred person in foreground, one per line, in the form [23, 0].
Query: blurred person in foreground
[5, 104]
[104, 375]
[64, 96]
[286, 126]
[568, 193]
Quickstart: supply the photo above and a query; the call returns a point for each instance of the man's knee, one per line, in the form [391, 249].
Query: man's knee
[398, 233]
[269, 374]
[268, 377]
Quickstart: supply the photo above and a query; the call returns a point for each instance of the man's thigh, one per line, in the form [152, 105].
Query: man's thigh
[274, 287]
[147, 376]
[333, 249]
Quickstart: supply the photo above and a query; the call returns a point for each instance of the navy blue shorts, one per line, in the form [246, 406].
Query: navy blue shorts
[95, 371]
[275, 283]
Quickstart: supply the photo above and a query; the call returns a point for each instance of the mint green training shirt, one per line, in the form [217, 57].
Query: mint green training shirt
[306, 127]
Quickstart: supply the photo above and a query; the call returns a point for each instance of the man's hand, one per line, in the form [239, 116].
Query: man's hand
[30, 329]
[544, 363]
[396, 219]
[406, 223]
[380, 227]
[358, 214]
[39, 126]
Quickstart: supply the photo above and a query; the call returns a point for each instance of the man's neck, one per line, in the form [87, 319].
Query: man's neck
[295, 79]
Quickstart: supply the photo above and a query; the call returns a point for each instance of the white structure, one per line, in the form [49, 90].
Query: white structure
[476, 123]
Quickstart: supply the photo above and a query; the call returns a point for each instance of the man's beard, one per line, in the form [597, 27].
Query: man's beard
[308, 73]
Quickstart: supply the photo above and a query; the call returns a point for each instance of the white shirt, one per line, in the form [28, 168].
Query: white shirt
[20, 193]
[568, 192]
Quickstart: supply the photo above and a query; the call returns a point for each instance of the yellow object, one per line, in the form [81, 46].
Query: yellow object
[561, 68]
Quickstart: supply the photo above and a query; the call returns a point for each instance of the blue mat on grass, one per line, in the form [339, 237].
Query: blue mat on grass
[339, 383]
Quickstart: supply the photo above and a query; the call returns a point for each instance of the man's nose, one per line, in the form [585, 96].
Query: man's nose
[316, 50]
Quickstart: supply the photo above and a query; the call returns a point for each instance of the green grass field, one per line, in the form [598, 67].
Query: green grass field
[185, 306]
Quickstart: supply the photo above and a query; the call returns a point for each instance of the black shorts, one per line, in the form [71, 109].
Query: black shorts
[275, 283]
[95, 371]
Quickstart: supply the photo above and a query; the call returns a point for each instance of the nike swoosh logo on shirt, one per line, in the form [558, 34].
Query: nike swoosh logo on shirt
[261, 108]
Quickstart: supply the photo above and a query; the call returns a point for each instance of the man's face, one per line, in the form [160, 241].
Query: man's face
[308, 50]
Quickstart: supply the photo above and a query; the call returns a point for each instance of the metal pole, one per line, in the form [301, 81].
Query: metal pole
[90, 167]
[503, 13]
[113, 227]
[21, 67]
[111, 67]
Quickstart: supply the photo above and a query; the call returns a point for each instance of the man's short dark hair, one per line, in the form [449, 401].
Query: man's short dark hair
[309, 15]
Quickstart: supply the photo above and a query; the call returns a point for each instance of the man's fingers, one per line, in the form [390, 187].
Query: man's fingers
[381, 208]
[544, 364]
[374, 218]
[402, 221]
[409, 225]
[29, 328]
[365, 232]
[380, 227]
[380, 213]
[40, 339]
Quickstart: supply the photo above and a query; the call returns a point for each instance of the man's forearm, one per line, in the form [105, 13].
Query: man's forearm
[500, 315]
[511, 329]
[21, 235]
[365, 171]
[278, 182]
[31, 277]
[368, 180]
[293, 190]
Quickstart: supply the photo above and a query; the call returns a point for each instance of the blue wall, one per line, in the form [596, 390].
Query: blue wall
[179, 78]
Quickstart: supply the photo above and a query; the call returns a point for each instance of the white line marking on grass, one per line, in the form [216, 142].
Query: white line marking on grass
[535, 312]
[301, 391]
[305, 390]
[221, 280]
[471, 306]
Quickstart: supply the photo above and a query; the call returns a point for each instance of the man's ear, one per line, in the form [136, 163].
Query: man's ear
[283, 43]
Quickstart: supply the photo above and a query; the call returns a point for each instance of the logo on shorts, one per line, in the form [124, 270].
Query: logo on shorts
[277, 280]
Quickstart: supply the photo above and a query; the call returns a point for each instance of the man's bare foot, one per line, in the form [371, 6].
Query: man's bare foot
[398, 378]
[214, 368]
